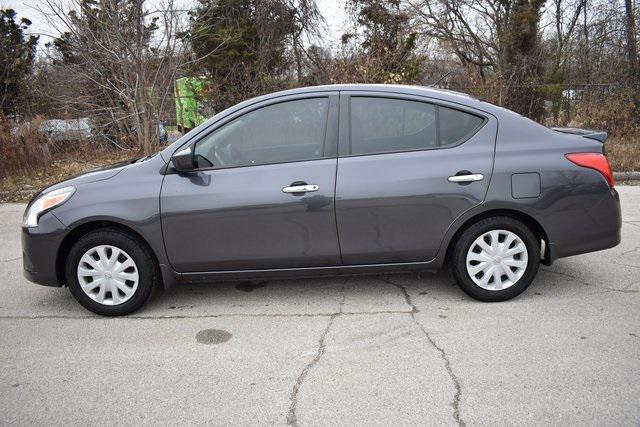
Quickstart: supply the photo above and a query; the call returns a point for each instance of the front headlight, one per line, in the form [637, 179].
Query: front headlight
[46, 202]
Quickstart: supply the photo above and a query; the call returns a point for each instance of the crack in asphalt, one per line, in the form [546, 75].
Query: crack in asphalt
[625, 253]
[447, 363]
[622, 264]
[582, 282]
[292, 417]
[630, 250]
[10, 259]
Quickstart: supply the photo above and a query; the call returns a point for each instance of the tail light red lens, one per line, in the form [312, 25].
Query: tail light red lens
[595, 161]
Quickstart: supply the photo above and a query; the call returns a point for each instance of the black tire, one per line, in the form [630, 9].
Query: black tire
[458, 258]
[140, 253]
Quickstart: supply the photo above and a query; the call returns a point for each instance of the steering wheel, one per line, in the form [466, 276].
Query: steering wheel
[236, 155]
[219, 160]
[228, 155]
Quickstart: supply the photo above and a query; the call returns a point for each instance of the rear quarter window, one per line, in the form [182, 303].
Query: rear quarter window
[456, 125]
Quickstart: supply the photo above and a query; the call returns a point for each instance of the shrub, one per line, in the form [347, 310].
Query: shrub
[22, 147]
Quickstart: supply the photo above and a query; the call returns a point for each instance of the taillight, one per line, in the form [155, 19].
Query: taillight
[595, 161]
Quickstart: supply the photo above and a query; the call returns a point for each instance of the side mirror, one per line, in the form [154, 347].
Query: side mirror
[183, 160]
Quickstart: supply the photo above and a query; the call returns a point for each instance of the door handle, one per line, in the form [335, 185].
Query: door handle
[306, 188]
[466, 178]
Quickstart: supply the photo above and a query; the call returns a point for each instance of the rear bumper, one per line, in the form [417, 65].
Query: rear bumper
[40, 248]
[607, 241]
[595, 228]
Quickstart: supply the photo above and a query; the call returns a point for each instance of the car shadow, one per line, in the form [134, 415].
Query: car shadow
[309, 295]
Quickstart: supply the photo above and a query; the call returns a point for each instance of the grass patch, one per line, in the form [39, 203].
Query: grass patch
[20, 185]
[623, 153]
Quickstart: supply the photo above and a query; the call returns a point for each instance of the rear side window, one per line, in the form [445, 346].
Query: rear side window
[380, 125]
[456, 125]
[383, 124]
[286, 132]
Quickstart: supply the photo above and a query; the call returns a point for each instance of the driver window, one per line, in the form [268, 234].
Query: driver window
[285, 132]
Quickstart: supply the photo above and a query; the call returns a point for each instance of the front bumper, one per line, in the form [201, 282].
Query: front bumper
[40, 249]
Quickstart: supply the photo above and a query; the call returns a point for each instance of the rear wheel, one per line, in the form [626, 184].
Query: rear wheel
[111, 272]
[495, 259]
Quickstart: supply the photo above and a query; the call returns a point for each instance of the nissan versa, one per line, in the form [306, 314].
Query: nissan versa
[330, 180]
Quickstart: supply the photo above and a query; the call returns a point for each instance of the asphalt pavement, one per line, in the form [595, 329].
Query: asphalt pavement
[374, 350]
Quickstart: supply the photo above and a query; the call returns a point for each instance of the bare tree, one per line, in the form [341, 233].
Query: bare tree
[119, 60]
[472, 29]
[307, 21]
[566, 19]
[495, 36]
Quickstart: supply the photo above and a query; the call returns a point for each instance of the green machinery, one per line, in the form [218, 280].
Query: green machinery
[191, 109]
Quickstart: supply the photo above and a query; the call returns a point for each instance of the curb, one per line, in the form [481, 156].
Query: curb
[626, 176]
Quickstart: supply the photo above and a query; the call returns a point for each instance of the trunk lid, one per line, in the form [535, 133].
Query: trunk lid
[599, 136]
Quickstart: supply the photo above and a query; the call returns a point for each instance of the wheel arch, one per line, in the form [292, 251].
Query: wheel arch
[533, 224]
[76, 233]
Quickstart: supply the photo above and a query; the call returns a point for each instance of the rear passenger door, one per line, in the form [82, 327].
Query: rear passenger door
[407, 168]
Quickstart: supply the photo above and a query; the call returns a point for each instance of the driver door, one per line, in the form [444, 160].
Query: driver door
[237, 210]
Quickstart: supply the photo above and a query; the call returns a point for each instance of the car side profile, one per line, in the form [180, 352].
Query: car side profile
[338, 179]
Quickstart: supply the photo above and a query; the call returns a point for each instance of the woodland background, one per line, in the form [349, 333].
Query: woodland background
[559, 62]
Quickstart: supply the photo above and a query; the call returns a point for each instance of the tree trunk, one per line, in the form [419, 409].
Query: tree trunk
[632, 52]
[521, 64]
[297, 55]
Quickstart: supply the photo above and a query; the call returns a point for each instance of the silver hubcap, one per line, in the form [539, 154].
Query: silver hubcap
[108, 275]
[497, 260]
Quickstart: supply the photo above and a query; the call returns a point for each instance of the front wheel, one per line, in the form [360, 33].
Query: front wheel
[111, 272]
[495, 259]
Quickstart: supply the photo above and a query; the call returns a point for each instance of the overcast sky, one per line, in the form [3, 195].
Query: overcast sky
[332, 10]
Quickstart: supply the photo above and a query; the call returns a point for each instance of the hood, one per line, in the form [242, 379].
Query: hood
[98, 174]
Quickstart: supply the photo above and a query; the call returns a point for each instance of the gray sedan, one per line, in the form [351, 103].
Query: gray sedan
[340, 179]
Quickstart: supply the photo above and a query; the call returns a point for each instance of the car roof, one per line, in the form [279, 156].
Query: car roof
[372, 87]
[460, 98]
[429, 91]
[425, 91]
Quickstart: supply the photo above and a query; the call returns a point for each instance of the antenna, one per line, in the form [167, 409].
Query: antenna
[441, 78]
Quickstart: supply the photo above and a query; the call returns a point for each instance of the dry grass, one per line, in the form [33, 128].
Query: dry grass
[30, 161]
[22, 147]
[624, 153]
[21, 184]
